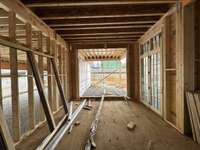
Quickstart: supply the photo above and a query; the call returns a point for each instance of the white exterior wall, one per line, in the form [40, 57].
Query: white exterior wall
[84, 76]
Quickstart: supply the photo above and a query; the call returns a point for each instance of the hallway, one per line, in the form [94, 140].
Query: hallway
[113, 134]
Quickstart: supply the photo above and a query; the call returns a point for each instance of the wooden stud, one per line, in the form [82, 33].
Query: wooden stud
[31, 104]
[40, 87]
[50, 78]
[60, 88]
[41, 69]
[14, 79]
[55, 98]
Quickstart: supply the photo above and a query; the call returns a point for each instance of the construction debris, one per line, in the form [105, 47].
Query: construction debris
[131, 125]
[77, 123]
[193, 103]
[70, 129]
[93, 129]
[87, 108]
[149, 145]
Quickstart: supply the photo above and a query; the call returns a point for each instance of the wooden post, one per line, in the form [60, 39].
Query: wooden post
[55, 106]
[59, 69]
[14, 79]
[41, 68]
[136, 72]
[130, 72]
[31, 105]
[189, 57]
[180, 71]
[50, 78]
[73, 74]
[1, 98]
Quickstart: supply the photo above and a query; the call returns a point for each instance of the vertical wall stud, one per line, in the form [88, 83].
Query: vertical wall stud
[40, 87]
[41, 68]
[14, 79]
[31, 105]
[50, 78]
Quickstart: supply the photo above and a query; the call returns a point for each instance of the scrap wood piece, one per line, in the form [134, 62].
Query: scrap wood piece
[191, 116]
[70, 129]
[93, 129]
[131, 126]
[149, 145]
[77, 123]
[194, 115]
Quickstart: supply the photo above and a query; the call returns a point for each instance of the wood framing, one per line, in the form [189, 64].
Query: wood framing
[49, 70]
[14, 79]
[31, 103]
[40, 86]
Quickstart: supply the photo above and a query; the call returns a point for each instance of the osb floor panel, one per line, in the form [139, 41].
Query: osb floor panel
[112, 133]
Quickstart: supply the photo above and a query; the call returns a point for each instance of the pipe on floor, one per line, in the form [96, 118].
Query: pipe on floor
[53, 139]
[93, 129]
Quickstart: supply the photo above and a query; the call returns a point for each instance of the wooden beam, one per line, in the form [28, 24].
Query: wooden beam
[100, 16]
[41, 69]
[31, 104]
[55, 95]
[103, 37]
[14, 79]
[96, 12]
[105, 21]
[26, 15]
[100, 31]
[102, 34]
[96, 3]
[50, 78]
[102, 27]
[103, 40]
[101, 24]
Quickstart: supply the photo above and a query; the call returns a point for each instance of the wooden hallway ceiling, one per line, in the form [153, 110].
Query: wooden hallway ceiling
[100, 20]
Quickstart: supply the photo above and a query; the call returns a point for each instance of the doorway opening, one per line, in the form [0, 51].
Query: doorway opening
[102, 69]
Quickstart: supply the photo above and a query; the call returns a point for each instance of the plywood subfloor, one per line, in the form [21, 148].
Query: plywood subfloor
[99, 91]
[112, 133]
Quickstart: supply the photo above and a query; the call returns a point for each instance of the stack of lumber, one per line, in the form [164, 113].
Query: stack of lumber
[193, 103]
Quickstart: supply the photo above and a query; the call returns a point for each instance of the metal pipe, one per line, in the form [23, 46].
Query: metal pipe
[93, 129]
[55, 139]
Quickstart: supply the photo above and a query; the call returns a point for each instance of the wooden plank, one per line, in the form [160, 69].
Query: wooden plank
[41, 69]
[101, 24]
[26, 15]
[197, 102]
[14, 80]
[102, 27]
[40, 87]
[60, 88]
[1, 98]
[196, 120]
[31, 104]
[55, 98]
[5, 132]
[191, 117]
[97, 3]
[59, 70]
[49, 70]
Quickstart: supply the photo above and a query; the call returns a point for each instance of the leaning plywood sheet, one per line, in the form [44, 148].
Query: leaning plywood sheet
[191, 118]
[194, 115]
